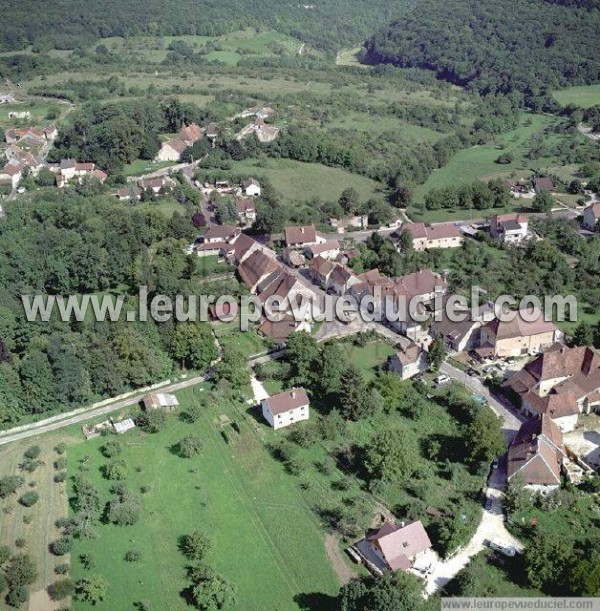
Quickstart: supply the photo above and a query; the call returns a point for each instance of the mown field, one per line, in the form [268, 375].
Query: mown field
[266, 540]
[298, 181]
[584, 96]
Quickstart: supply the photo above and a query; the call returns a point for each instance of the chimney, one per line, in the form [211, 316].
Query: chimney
[294, 393]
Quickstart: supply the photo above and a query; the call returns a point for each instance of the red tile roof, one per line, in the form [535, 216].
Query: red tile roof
[286, 401]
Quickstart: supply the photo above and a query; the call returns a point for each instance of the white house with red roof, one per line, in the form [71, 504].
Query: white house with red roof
[286, 408]
[510, 228]
[442, 235]
[591, 216]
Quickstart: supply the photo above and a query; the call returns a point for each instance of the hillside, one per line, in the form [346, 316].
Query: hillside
[65, 24]
[496, 45]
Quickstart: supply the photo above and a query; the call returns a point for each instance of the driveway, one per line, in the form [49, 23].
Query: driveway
[491, 527]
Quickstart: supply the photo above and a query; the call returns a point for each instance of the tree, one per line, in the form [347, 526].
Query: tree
[387, 459]
[575, 187]
[233, 369]
[193, 345]
[153, 421]
[189, 446]
[583, 334]
[133, 555]
[547, 561]
[391, 592]
[517, 497]
[195, 546]
[10, 484]
[92, 589]
[124, 509]
[484, 435]
[111, 448]
[301, 353]
[331, 366]
[61, 589]
[349, 200]
[20, 571]
[115, 470]
[29, 499]
[61, 546]
[542, 202]
[405, 242]
[32, 452]
[437, 353]
[355, 397]
[210, 592]
[584, 577]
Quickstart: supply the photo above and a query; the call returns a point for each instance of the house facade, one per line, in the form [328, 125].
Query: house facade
[286, 408]
[408, 362]
[442, 235]
[591, 216]
[509, 228]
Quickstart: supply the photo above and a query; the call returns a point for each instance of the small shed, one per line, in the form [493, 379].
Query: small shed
[159, 400]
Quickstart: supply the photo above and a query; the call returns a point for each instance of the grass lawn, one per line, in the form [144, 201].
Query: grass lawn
[296, 180]
[266, 540]
[370, 357]
[479, 161]
[230, 336]
[583, 96]
[143, 166]
[39, 109]
[165, 205]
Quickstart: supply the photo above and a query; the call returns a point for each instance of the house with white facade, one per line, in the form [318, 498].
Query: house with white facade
[409, 361]
[510, 228]
[286, 408]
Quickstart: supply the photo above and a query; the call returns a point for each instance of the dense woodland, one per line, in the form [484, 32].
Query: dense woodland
[527, 46]
[61, 25]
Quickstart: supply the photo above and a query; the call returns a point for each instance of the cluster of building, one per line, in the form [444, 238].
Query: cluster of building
[155, 186]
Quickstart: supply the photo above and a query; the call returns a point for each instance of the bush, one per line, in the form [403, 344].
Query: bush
[153, 421]
[189, 446]
[61, 448]
[29, 499]
[17, 596]
[60, 463]
[111, 448]
[115, 470]
[61, 546]
[60, 477]
[20, 543]
[61, 589]
[62, 569]
[33, 452]
[10, 484]
[133, 555]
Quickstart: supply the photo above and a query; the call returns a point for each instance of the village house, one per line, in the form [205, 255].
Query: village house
[171, 150]
[561, 383]
[327, 250]
[510, 228]
[251, 187]
[517, 337]
[443, 235]
[409, 361]
[591, 216]
[160, 400]
[41, 135]
[246, 209]
[543, 184]
[394, 547]
[212, 132]
[536, 454]
[262, 131]
[12, 173]
[278, 331]
[256, 268]
[286, 408]
[70, 169]
[341, 280]
[301, 236]
[319, 271]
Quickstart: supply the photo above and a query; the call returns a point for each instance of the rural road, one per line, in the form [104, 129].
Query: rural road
[75, 417]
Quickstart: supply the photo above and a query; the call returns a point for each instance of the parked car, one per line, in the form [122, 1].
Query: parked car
[471, 372]
[495, 464]
[502, 547]
[489, 502]
[442, 379]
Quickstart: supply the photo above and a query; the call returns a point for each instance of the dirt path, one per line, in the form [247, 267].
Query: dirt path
[337, 560]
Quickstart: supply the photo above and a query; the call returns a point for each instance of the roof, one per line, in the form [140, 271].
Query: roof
[280, 284]
[250, 182]
[515, 217]
[399, 544]
[190, 133]
[177, 144]
[245, 205]
[84, 167]
[340, 275]
[278, 330]
[416, 230]
[543, 184]
[286, 401]
[67, 164]
[220, 231]
[301, 234]
[124, 425]
[511, 226]
[536, 452]
[518, 327]
[322, 266]
[255, 267]
[317, 249]
[160, 400]
[422, 282]
[410, 354]
[594, 209]
[553, 405]
[99, 174]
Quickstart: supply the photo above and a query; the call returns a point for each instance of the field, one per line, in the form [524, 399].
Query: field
[36, 524]
[39, 109]
[247, 342]
[584, 96]
[266, 540]
[479, 162]
[296, 180]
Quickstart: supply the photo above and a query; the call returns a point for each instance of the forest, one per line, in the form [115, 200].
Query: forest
[61, 24]
[526, 47]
